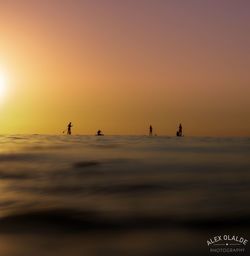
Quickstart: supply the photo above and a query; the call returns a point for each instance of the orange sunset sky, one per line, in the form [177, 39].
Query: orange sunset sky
[120, 65]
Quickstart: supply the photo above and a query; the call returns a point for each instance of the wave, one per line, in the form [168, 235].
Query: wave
[19, 157]
[70, 220]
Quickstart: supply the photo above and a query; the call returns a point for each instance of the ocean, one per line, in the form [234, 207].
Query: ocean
[122, 195]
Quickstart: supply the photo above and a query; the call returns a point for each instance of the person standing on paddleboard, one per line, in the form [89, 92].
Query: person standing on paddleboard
[69, 128]
[180, 130]
[150, 130]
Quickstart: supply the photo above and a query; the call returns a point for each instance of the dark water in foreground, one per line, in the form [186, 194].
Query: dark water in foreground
[121, 195]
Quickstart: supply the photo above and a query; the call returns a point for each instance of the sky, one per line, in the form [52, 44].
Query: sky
[121, 65]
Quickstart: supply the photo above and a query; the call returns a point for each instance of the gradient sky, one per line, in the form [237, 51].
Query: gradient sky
[120, 65]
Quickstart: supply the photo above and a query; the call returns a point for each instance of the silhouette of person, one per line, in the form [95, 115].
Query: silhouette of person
[180, 130]
[99, 133]
[150, 130]
[69, 128]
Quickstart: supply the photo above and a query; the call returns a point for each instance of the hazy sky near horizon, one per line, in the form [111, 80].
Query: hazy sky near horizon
[120, 65]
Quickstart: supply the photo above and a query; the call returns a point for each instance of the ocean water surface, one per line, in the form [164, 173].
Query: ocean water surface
[121, 195]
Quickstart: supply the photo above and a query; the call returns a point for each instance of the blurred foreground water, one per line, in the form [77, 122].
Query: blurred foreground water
[121, 195]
